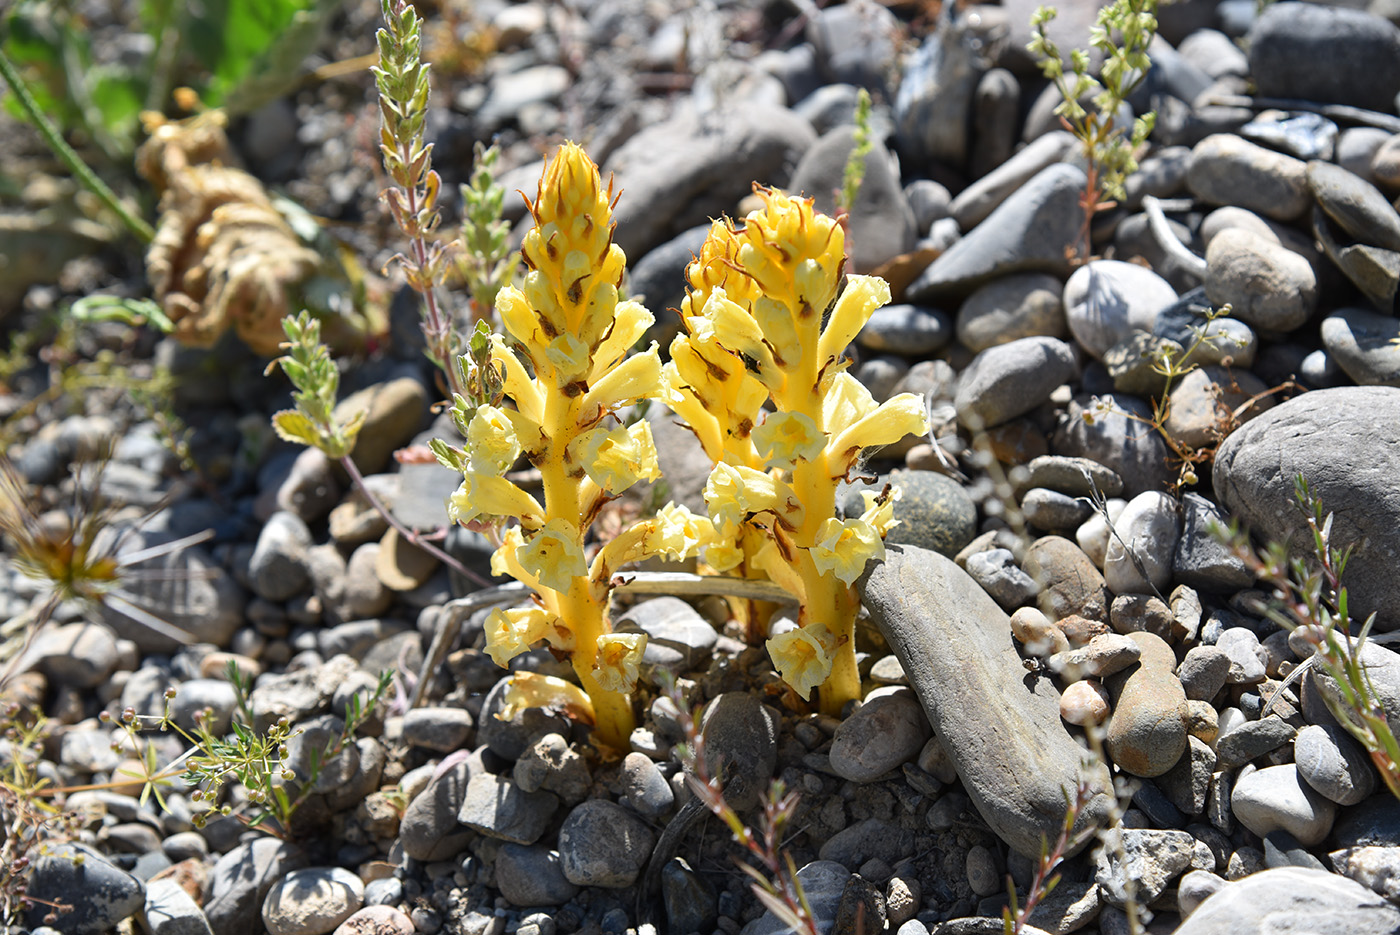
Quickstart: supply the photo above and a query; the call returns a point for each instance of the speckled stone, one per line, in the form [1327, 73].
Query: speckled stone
[934, 512]
[1070, 584]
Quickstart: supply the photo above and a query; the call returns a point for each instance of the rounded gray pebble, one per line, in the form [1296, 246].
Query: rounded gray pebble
[1331, 762]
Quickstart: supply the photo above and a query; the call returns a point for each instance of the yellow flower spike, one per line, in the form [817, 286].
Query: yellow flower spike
[861, 297]
[800, 658]
[844, 546]
[784, 438]
[493, 445]
[533, 690]
[619, 657]
[573, 371]
[512, 632]
[617, 458]
[892, 420]
[484, 494]
[636, 378]
[554, 555]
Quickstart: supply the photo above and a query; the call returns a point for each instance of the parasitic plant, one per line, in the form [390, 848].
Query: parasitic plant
[767, 323]
[564, 365]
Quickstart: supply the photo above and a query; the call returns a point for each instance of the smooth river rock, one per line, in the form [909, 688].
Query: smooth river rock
[1000, 727]
[1346, 442]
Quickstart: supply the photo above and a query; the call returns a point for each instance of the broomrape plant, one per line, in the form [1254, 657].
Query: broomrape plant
[564, 365]
[766, 324]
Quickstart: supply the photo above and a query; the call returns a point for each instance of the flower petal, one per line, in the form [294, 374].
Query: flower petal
[618, 660]
[844, 546]
[800, 659]
[554, 555]
[784, 438]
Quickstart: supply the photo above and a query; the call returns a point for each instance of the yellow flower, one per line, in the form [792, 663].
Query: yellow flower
[554, 555]
[503, 560]
[892, 420]
[617, 458]
[490, 495]
[844, 402]
[862, 295]
[630, 322]
[568, 356]
[785, 438]
[724, 553]
[517, 317]
[619, 655]
[677, 533]
[730, 325]
[511, 632]
[732, 492]
[492, 443]
[843, 548]
[800, 658]
[636, 378]
[533, 690]
[519, 386]
[779, 570]
[879, 511]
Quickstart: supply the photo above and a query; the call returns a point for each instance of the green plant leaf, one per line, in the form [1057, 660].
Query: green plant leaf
[255, 48]
[292, 426]
[118, 96]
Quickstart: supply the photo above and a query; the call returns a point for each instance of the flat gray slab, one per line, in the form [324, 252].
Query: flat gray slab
[999, 723]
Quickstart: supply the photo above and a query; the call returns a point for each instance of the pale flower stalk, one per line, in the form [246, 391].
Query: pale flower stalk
[767, 315]
[567, 324]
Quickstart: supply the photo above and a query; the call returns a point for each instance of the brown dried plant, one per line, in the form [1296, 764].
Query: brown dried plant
[223, 257]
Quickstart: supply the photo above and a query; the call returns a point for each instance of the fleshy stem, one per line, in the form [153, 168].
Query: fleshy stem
[66, 154]
[402, 80]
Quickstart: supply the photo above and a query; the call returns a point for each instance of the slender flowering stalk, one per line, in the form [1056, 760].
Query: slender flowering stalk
[486, 263]
[1122, 32]
[402, 79]
[313, 422]
[569, 326]
[766, 320]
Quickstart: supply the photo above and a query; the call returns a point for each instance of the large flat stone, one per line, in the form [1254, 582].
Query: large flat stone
[1346, 442]
[1000, 725]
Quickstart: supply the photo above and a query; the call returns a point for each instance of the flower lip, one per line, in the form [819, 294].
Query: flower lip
[788, 437]
[801, 659]
[554, 555]
[618, 662]
[844, 546]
